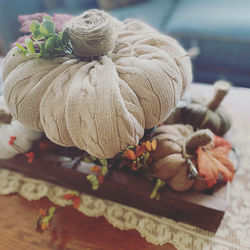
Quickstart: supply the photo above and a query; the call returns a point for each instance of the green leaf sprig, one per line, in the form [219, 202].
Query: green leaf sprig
[159, 183]
[49, 43]
[101, 172]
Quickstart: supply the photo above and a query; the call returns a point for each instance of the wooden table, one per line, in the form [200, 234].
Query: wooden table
[73, 230]
[70, 230]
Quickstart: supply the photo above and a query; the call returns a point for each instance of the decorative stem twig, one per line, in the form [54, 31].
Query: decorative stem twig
[221, 90]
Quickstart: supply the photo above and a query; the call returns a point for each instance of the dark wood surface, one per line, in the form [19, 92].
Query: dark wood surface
[135, 190]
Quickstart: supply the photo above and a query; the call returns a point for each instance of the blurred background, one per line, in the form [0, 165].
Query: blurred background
[218, 29]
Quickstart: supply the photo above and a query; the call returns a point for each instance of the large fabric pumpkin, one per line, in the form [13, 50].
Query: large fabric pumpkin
[124, 77]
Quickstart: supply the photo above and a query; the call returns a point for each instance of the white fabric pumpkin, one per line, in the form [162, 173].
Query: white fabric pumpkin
[101, 105]
[24, 136]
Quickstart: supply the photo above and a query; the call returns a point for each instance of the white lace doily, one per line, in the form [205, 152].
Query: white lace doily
[233, 233]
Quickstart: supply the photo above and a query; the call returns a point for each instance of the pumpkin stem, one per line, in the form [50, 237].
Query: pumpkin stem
[221, 90]
[199, 138]
[92, 34]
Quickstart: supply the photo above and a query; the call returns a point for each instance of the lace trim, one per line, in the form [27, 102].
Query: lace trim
[233, 233]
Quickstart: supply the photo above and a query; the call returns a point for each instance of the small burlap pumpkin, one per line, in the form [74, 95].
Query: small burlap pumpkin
[173, 160]
[124, 77]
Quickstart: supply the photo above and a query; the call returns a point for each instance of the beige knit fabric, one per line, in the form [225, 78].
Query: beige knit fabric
[101, 106]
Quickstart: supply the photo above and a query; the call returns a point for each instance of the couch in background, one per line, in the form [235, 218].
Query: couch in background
[219, 28]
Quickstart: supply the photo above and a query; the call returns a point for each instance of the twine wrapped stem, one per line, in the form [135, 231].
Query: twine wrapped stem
[199, 138]
[92, 33]
[221, 90]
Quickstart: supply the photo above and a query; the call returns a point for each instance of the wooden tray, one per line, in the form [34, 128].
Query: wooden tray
[199, 209]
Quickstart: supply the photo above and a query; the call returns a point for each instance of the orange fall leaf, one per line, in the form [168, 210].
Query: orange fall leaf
[206, 167]
[223, 158]
[213, 162]
[220, 141]
[154, 144]
[149, 146]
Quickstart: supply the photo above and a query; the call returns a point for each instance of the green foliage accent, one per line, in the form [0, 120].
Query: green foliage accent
[94, 181]
[51, 213]
[159, 183]
[47, 18]
[52, 210]
[30, 45]
[104, 170]
[50, 44]
[104, 162]
[47, 28]
[34, 26]
[86, 159]
[20, 47]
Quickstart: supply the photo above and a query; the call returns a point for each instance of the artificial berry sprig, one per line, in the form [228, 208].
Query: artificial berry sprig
[99, 173]
[45, 216]
[138, 157]
[74, 198]
[12, 140]
[29, 155]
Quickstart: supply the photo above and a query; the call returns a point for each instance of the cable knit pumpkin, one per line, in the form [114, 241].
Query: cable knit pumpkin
[124, 77]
